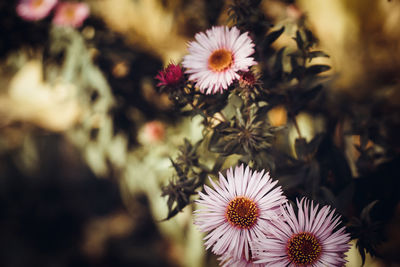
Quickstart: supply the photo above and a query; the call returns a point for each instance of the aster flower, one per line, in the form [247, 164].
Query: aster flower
[216, 57]
[172, 75]
[35, 9]
[237, 211]
[71, 14]
[309, 239]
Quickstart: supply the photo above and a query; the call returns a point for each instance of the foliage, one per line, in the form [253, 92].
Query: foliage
[237, 123]
[321, 143]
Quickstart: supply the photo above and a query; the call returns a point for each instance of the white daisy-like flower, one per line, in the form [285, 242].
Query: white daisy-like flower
[216, 56]
[308, 239]
[237, 211]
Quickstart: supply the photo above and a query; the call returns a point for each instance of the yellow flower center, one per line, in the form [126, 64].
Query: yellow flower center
[303, 249]
[37, 3]
[242, 212]
[220, 60]
[70, 13]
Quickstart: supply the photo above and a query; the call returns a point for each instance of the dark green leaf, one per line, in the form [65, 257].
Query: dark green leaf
[315, 69]
[273, 36]
[278, 66]
[366, 212]
[315, 54]
[299, 40]
[294, 63]
[218, 164]
[300, 146]
[310, 38]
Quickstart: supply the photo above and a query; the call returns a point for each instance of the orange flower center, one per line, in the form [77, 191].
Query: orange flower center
[70, 13]
[37, 3]
[220, 60]
[242, 212]
[303, 249]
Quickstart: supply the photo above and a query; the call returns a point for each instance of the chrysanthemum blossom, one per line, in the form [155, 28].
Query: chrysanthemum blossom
[308, 239]
[35, 9]
[216, 56]
[71, 14]
[170, 76]
[237, 211]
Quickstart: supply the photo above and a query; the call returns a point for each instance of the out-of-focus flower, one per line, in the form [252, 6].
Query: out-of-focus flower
[308, 239]
[171, 76]
[277, 116]
[152, 132]
[238, 211]
[294, 12]
[30, 99]
[216, 57]
[71, 14]
[35, 9]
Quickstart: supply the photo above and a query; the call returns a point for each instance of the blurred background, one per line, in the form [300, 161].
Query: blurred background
[85, 137]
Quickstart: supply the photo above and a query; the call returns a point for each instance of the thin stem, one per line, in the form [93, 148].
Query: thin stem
[296, 126]
[223, 116]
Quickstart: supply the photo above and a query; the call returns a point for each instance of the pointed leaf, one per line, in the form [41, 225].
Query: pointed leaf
[316, 69]
[299, 40]
[273, 36]
[315, 54]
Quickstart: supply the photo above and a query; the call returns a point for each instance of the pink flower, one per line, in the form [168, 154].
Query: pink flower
[35, 9]
[170, 76]
[154, 131]
[216, 57]
[238, 211]
[71, 14]
[308, 239]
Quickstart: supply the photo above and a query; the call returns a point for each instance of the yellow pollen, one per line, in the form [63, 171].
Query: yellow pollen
[303, 249]
[220, 60]
[37, 3]
[242, 212]
[69, 13]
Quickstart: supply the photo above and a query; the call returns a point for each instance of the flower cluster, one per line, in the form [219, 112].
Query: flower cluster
[250, 223]
[66, 13]
[247, 93]
[247, 218]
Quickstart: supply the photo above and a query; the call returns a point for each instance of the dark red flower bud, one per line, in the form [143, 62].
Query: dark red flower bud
[170, 76]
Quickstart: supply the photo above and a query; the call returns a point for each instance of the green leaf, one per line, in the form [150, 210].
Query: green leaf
[316, 69]
[278, 64]
[273, 36]
[300, 146]
[315, 54]
[299, 40]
